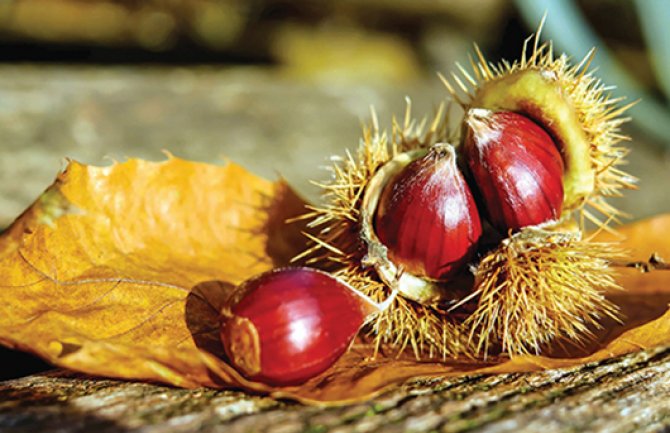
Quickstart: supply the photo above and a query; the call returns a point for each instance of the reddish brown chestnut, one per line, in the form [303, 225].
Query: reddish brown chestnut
[427, 216]
[516, 166]
[288, 325]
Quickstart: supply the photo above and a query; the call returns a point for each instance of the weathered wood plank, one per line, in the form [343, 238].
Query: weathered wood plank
[627, 394]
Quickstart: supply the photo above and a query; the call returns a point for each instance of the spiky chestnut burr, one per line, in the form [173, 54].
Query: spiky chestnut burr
[343, 241]
[288, 325]
[534, 288]
[516, 166]
[427, 217]
[573, 105]
[538, 286]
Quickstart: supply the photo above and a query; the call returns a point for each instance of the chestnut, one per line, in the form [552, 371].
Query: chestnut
[288, 325]
[516, 166]
[427, 216]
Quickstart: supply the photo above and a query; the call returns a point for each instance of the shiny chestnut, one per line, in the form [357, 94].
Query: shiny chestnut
[286, 326]
[516, 166]
[427, 216]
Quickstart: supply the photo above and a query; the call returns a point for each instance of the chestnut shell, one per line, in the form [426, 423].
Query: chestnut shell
[427, 216]
[517, 169]
[289, 325]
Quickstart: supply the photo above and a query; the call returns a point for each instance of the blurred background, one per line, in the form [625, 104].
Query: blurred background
[280, 85]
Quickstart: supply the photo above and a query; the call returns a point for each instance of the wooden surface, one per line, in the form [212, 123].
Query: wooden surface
[628, 394]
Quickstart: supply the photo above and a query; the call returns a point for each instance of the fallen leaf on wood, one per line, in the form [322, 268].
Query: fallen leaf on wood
[97, 274]
[121, 271]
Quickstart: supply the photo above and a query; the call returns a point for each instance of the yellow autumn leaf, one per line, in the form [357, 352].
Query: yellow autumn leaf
[122, 271]
[98, 274]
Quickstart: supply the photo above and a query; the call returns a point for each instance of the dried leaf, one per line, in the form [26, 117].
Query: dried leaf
[97, 275]
[122, 271]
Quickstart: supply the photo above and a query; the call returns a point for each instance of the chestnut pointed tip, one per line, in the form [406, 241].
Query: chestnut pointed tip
[444, 156]
[478, 114]
[475, 116]
[482, 128]
[444, 150]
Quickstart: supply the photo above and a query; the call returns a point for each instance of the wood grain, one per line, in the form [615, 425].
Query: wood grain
[627, 394]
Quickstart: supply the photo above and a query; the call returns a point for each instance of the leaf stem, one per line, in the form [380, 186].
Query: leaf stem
[655, 263]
